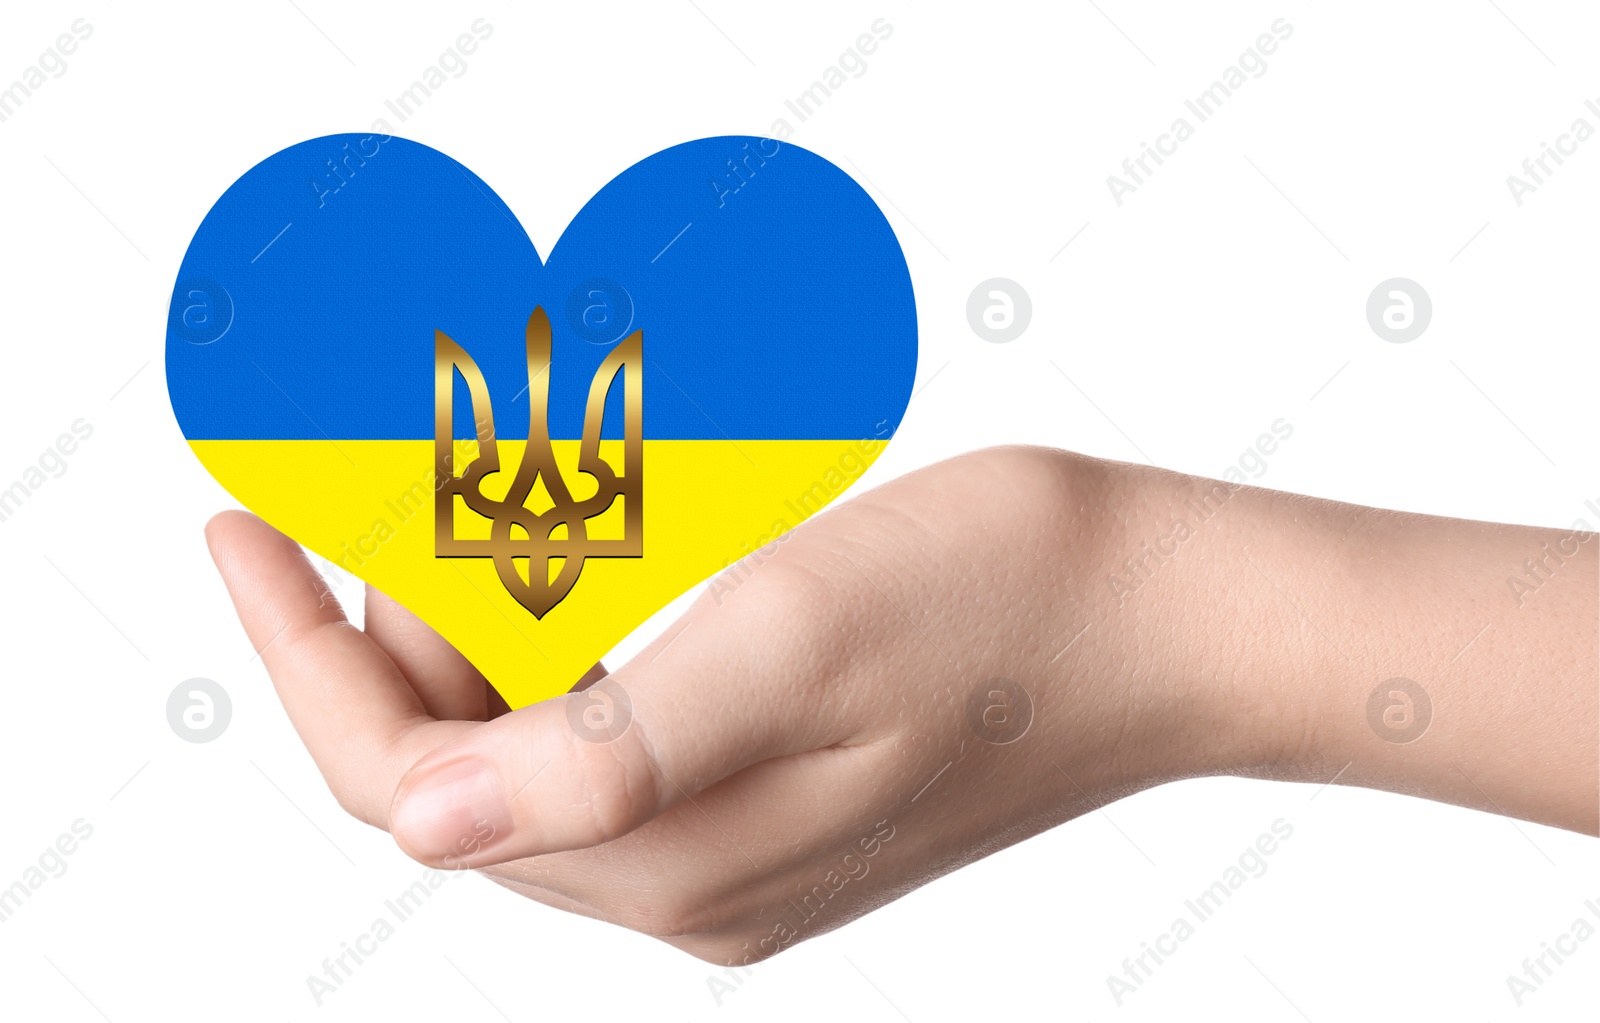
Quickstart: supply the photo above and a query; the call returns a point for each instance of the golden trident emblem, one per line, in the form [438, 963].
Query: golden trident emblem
[553, 562]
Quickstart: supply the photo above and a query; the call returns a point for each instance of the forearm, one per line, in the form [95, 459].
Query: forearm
[1274, 618]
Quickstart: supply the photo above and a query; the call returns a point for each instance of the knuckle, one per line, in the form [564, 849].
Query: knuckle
[790, 629]
[800, 617]
[1031, 480]
[793, 590]
[615, 795]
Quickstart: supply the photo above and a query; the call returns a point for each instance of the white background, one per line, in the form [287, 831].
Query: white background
[1225, 293]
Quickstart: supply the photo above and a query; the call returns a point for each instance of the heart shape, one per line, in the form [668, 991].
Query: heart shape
[365, 349]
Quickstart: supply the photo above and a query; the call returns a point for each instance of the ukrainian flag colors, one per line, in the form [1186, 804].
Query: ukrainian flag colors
[779, 341]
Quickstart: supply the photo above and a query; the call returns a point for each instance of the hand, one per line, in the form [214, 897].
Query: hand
[930, 672]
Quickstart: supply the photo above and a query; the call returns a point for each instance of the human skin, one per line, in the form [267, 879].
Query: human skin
[828, 701]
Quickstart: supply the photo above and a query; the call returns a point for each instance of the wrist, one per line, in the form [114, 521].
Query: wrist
[1180, 629]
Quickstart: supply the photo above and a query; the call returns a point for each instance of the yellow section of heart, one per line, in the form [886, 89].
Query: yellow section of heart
[368, 507]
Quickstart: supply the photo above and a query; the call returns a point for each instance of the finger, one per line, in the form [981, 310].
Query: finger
[495, 703]
[725, 688]
[449, 687]
[352, 707]
[747, 837]
[590, 677]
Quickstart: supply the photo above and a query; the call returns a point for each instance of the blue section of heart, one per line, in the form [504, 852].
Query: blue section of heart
[780, 308]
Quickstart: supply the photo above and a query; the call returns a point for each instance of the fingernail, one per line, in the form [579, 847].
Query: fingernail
[452, 812]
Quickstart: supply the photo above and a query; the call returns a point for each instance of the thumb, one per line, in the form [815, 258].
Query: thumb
[713, 695]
